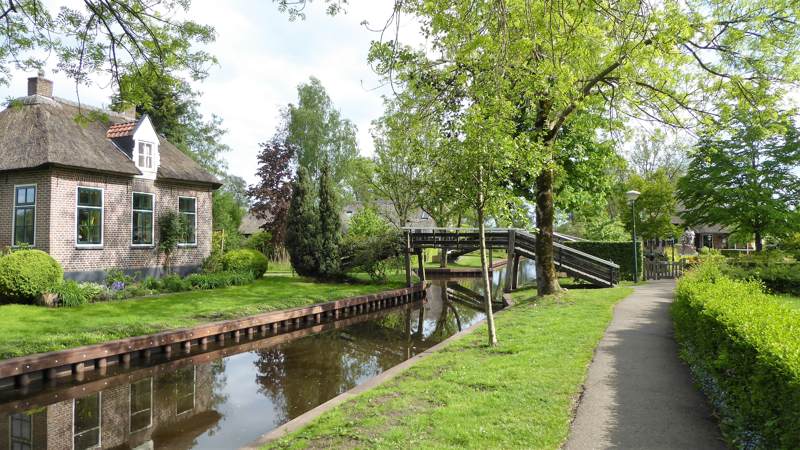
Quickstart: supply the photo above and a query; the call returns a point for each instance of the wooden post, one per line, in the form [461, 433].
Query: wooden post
[421, 266]
[512, 236]
[515, 275]
[408, 259]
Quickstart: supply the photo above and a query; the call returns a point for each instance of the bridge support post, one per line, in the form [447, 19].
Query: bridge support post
[515, 275]
[421, 265]
[408, 259]
[512, 235]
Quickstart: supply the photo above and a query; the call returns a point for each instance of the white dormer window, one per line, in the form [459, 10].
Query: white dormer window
[145, 155]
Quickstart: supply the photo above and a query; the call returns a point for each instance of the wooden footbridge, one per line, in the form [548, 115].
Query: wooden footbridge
[517, 243]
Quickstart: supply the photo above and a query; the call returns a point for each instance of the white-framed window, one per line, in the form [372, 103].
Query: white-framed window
[24, 220]
[185, 381]
[20, 431]
[142, 223]
[89, 217]
[187, 208]
[86, 422]
[141, 401]
[145, 155]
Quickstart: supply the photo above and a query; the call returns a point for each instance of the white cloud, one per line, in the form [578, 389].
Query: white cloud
[262, 58]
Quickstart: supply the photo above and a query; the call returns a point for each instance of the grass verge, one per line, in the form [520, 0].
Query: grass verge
[519, 394]
[26, 329]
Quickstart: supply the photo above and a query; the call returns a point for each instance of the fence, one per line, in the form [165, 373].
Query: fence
[659, 270]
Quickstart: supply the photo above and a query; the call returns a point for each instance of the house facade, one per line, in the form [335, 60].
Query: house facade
[88, 187]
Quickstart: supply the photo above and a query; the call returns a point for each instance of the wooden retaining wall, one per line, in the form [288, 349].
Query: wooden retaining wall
[78, 361]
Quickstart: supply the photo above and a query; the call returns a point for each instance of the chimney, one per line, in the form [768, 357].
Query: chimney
[39, 85]
[129, 113]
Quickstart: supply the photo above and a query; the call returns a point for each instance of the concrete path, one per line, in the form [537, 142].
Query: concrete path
[638, 394]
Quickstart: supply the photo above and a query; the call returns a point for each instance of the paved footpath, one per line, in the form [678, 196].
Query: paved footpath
[638, 394]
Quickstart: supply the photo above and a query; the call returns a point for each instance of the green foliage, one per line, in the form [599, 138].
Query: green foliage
[654, 207]
[744, 350]
[302, 227]
[245, 260]
[319, 134]
[116, 275]
[330, 227]
[174, 283]
[742, 175]
[72, 293]
[227, 214]
[219, 279]
[371, 254]
[367, 222]
[261, 241]
[171, 227]
[27, 274]
[620, 253]
[776, 271]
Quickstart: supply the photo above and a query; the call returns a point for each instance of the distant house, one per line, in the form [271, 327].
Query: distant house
[90, 191]
[417, 218]
[711, 236]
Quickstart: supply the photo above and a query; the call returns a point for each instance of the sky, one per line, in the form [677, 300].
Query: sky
[262, 58]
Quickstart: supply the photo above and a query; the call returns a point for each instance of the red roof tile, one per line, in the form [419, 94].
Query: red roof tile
[120, 130]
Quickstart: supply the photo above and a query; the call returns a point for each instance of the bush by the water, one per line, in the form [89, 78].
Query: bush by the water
[743, 347]
[245, 260]
[219, 279]
[27, 274]
[779, 272]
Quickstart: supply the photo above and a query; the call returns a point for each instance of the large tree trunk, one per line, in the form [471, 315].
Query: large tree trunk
[759, 241]
[546, 275]
[487, 284]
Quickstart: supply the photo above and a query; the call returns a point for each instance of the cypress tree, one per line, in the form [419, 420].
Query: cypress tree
[330, 226]
[303, 227]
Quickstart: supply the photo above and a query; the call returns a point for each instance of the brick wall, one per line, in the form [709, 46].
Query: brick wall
[56, 215]
[41, 178]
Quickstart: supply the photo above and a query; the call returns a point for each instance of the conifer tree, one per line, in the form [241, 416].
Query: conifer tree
[330, 225]
[302, 227]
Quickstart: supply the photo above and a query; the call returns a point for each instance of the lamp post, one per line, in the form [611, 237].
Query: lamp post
[632, 196]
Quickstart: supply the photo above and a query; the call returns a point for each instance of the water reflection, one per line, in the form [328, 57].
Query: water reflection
[223, 399]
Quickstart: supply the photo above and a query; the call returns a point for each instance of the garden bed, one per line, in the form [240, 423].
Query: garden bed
[517, 395]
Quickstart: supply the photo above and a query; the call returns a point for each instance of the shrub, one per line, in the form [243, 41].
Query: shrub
[26, 274]
[152, 283]
[371, 254]
[245, 260]
[219, 279]
[744, 349]
[777, 276]
[72, 293]
[116, 277]
[620, 253]
[261, 241]
[213, 263]
[174, 283]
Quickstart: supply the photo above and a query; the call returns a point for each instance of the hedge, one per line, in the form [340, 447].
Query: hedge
[26, 274]
[743, 347]
[245, 260]
[620, 253]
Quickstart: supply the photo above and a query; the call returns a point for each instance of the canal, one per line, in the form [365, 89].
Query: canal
[231, 394]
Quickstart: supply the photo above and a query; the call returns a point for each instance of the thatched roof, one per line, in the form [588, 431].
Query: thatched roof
[38, 131]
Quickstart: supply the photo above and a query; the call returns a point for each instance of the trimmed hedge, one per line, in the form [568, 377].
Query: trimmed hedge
[620, 253]
[776, 276]
[245, 260]
[27, 274]
[743, 347]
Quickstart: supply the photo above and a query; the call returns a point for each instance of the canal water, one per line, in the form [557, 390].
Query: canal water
[230, 395]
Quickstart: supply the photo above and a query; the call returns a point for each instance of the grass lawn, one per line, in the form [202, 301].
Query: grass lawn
[518, 395]
[469, 260]
[26, 329]
[789, 300]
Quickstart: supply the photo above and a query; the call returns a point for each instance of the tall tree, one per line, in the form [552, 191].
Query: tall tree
[655, 206]
[653, 60]
[330, 226]
[654, 151]
[102, 36]
[272, 194]
[319, 134]
[742, 174]
[302, 226]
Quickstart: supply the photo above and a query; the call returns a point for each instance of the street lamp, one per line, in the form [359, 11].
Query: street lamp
[632, 196]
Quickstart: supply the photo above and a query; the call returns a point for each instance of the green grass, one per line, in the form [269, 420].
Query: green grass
[789, 300]
[26, 329]
[519, 394]
[470, 260]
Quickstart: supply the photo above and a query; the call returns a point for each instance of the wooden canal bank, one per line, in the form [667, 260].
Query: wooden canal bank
[77, 362]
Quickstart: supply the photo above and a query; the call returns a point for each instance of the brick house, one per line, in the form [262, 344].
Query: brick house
[88, 187]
